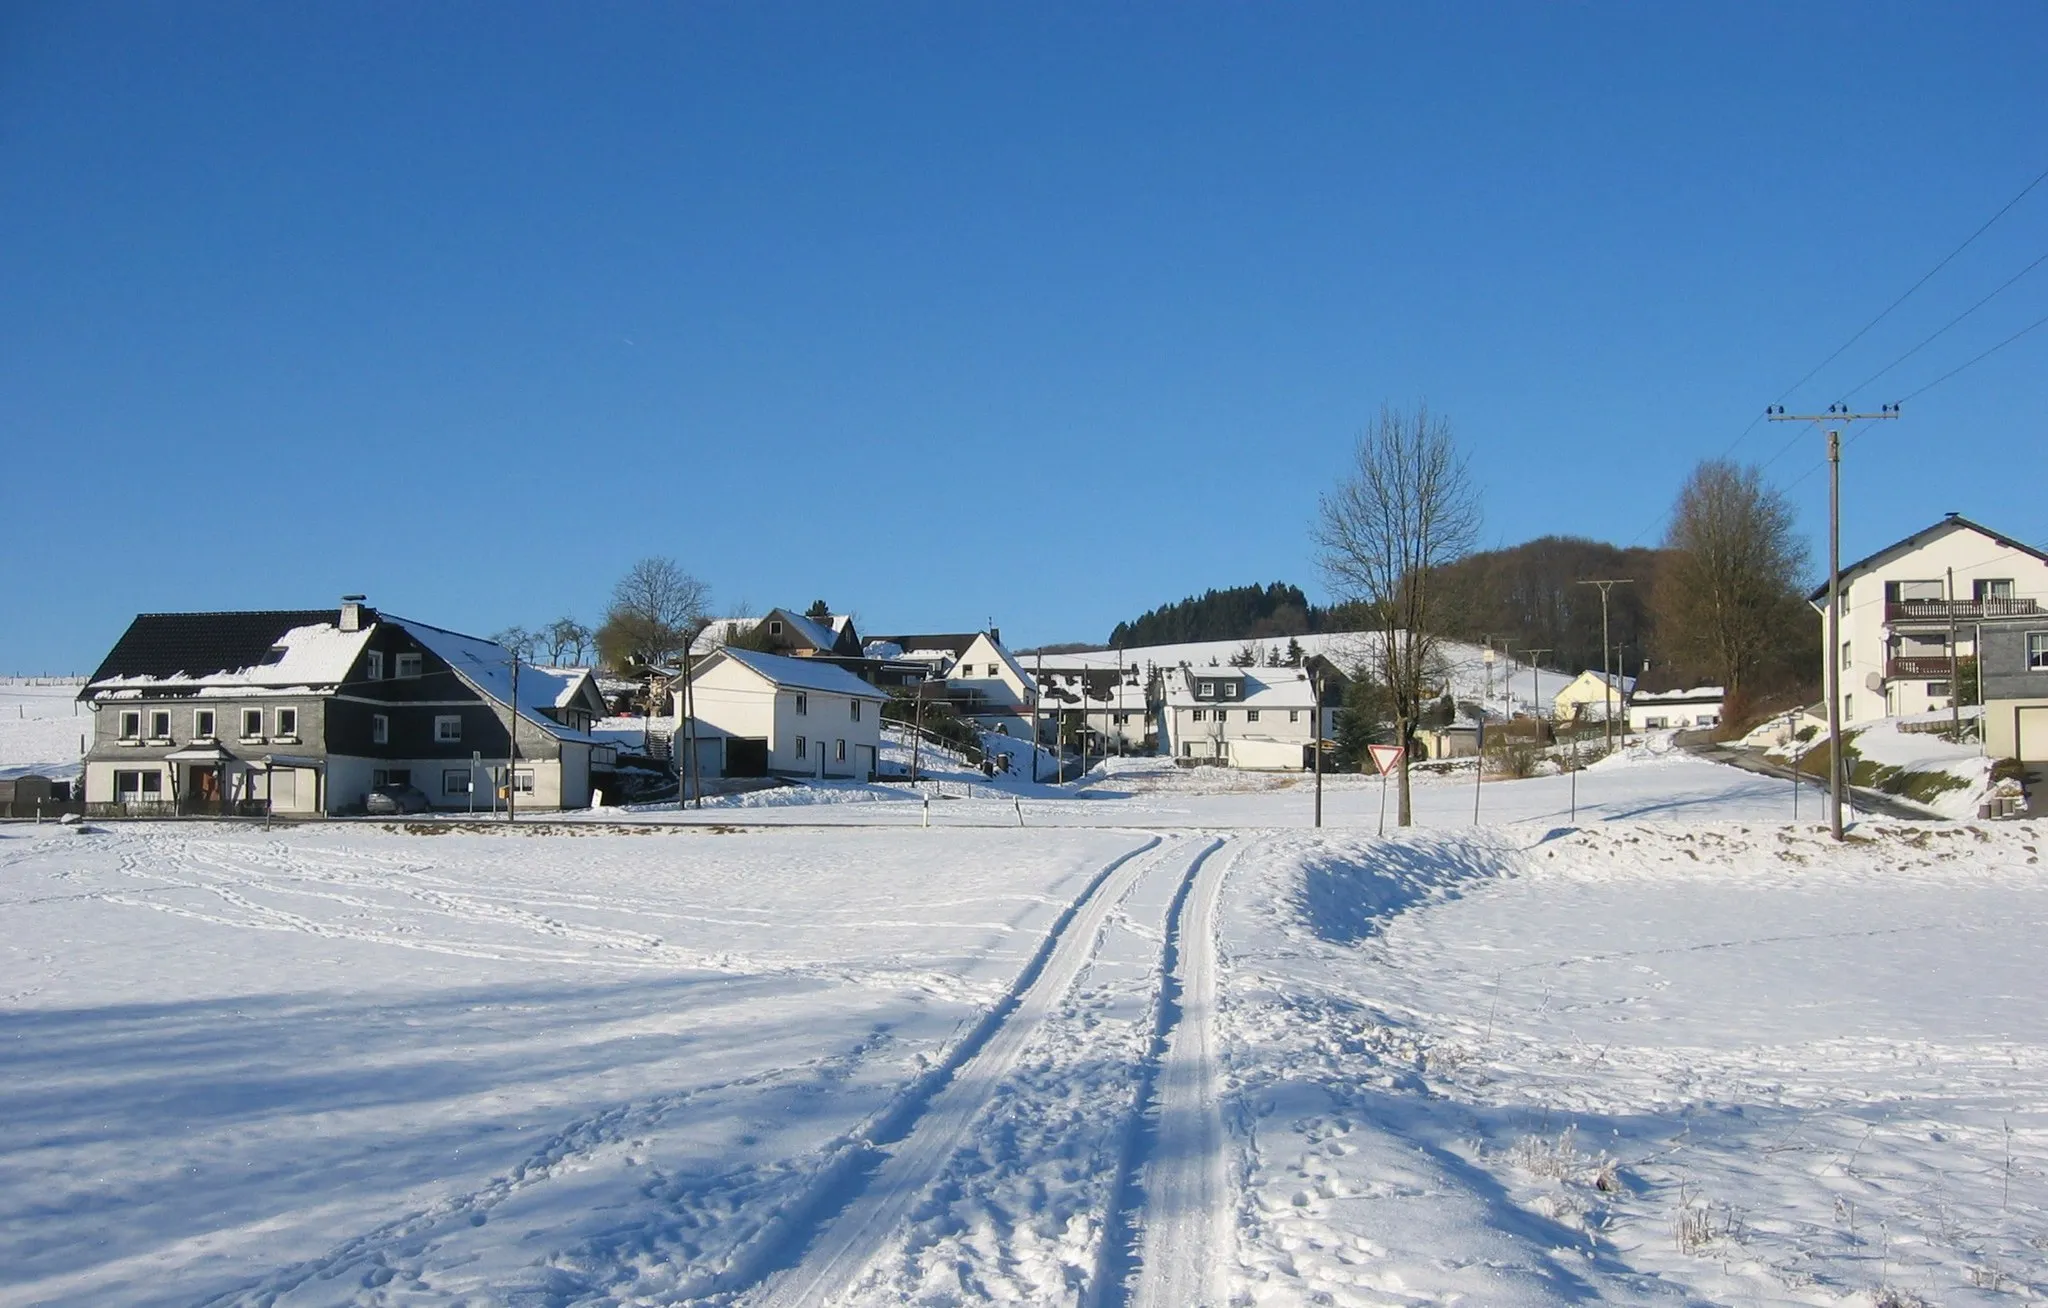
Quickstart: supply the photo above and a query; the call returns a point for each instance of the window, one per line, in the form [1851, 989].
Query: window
[2037, 651]
[802, 747]
[129, 787]
[522, 781]
[131, 724]
[856, 709]
[273, 656]
[1848, 706]
[376, 668]
[803, 704]
[1937, 689]
[448, 727]
[840, 757]
[288, 723]
[1230, 690]
[1710, 720]
[160, 725]
[1122, 718]
[1294, 715]
[381, 777]
[1992, 588]
[1251, 715]
[409, 665]
[1207, 690]
[202, 724]
[992, 670]
[380, 729]
[1197, 715]
[455, 781]
[1221, 714]
[775, 628]
[252, 724]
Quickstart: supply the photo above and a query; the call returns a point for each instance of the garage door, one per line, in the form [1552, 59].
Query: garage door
[2033, 734]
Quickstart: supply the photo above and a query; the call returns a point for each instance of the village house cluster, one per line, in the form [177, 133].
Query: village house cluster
[321, 711]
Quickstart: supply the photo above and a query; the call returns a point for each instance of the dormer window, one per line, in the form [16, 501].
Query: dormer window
[1208, 690]
[408, 666]
[375, 671]
[1230, 690]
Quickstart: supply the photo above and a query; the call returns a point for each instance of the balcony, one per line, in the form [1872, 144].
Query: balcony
[1908, 666]
[1944, 611]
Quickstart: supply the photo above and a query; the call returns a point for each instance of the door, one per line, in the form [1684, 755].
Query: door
[202, 788]
[2031, 734]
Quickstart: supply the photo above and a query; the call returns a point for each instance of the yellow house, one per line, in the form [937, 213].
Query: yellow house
[1591, 696]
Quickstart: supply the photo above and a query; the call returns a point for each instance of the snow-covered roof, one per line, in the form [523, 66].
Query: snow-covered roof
[799, 674]
[1276, 688]
[1692, 695]
[813, 631]
[1008, 660]
[307, 656]
[487, 667]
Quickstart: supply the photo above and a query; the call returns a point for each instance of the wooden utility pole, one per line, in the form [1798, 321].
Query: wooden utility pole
[1607, 584]
[1832, 420]
[1315, 714]
[512, 748]
[1955, 667]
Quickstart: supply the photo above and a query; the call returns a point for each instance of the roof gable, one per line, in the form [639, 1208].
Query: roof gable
[796, 674]
[1925, 536]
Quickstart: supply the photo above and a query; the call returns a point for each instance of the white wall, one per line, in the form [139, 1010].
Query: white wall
[1003, 689]
[1973, 557]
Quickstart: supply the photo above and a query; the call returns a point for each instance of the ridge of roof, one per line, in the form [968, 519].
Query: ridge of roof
[1997, 538]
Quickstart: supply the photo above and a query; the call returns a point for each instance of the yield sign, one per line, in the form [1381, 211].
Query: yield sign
[1384, 757]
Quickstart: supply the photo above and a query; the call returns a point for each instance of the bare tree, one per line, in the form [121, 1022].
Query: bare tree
[567, 642]
[1405, 509]
[656, 608]
[1727, 598]
[519, 640]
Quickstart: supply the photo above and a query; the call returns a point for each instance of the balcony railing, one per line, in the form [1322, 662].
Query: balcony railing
[1919, 665]
[1958, 610]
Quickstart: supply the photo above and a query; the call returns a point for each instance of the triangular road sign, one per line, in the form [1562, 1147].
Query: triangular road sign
[1385, 757]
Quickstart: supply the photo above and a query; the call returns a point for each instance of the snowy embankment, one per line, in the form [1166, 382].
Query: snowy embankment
[42, 727]
[1947, 777]
[1640, 1064]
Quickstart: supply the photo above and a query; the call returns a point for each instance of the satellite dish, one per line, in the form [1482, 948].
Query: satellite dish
[1873, 682]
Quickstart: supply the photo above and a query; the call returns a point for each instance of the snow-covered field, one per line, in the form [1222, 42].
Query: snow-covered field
[1161, 1044]
[41, 725]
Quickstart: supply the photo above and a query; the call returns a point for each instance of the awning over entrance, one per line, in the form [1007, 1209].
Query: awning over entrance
[291, 761]
[197, 754]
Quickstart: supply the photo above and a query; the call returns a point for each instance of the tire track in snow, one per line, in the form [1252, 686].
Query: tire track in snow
[848, 1221]
[1177, 1151]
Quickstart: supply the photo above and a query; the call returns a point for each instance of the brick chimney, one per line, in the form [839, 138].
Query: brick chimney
[352, 612]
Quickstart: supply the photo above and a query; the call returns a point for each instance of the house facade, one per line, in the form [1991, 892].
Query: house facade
[1911, 609]
[2013, 656]
[772, 715]
[1661, 702]
[1592, 697]
[1256, 718]
[304, 712]
[1107, 710]
[988, 684]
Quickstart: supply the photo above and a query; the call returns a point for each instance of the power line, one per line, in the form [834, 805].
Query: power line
[2038, 322]
[1950, 323]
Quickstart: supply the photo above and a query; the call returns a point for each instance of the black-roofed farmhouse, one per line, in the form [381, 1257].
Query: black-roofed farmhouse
[305, 711]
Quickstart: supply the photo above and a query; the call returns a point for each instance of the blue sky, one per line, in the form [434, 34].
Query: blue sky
[946, 312]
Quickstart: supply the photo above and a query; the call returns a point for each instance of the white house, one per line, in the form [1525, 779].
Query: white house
[1661, 702]
[1912, 608]
[988, 684]
[1591, 696]
[1261, 718]
[770, 715]
[1108, 704]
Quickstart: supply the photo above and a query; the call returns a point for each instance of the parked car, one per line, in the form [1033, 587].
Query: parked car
[386, 800]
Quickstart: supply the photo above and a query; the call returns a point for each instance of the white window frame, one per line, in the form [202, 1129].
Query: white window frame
[286, 723]
[802, 747]
[775, 627]
[1294, 715]
[841, 753]
[803, 705]
[204, 723]
[252, 716]
[416, 662]
[455, 781]
[376, 669]
[856, 709]
[443, 722]
[380, 729]
[1230, 690]
[156, 717]
[133, 733]
[1207, 690]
